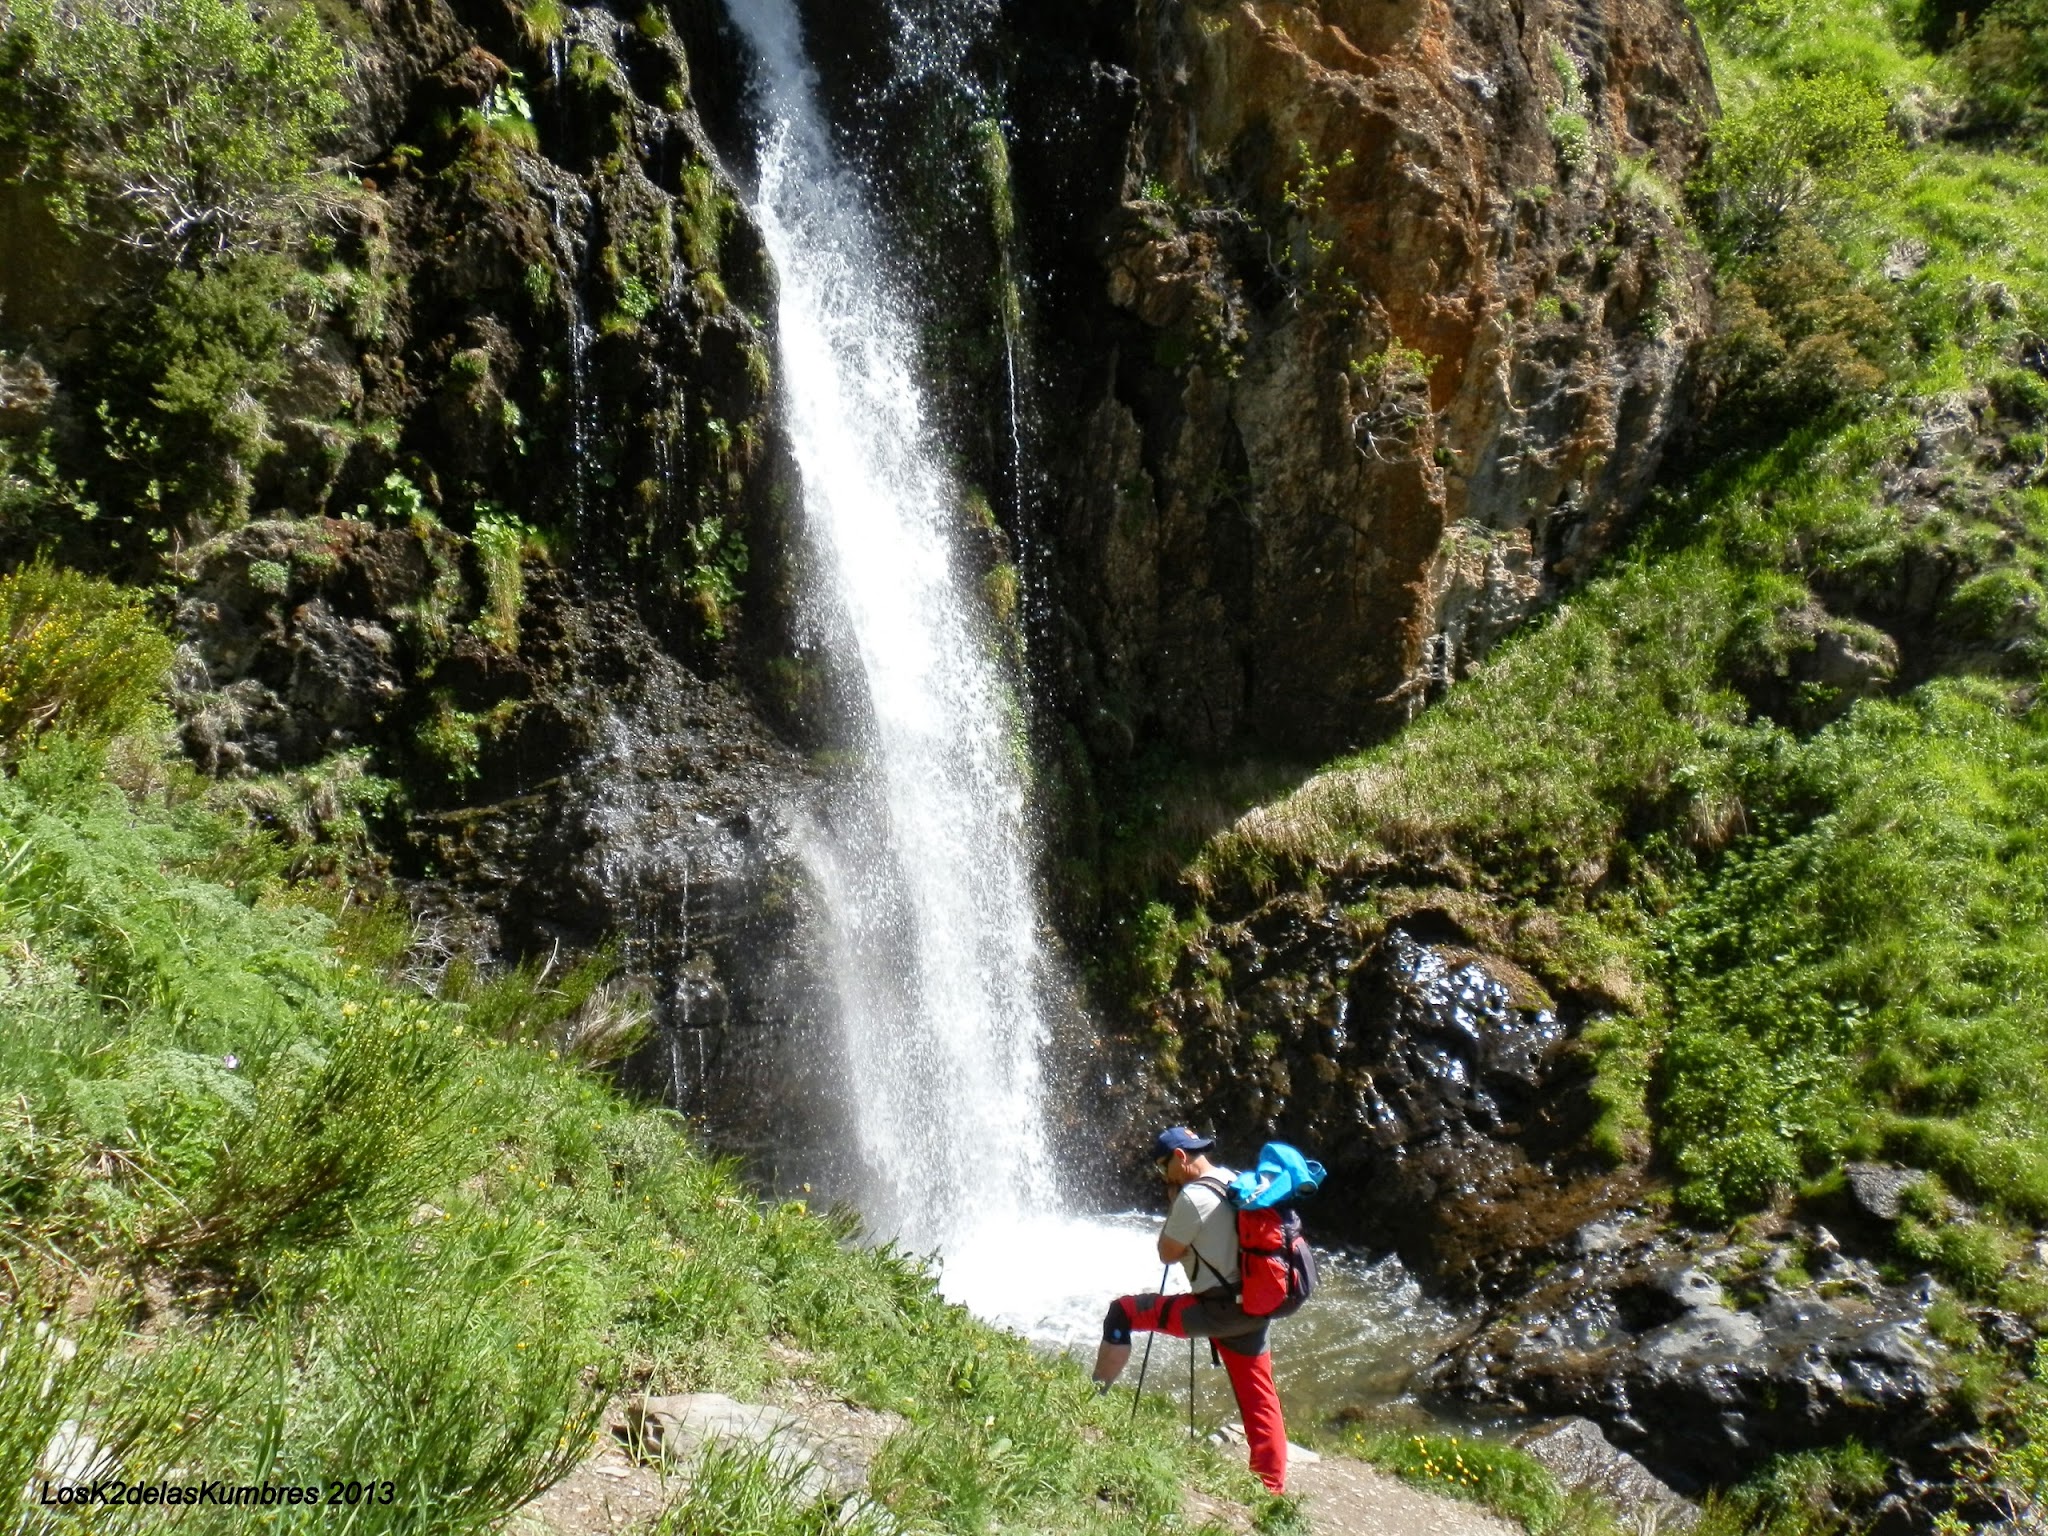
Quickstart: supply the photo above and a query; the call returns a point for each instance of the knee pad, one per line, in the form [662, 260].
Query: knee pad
[1116, 1323]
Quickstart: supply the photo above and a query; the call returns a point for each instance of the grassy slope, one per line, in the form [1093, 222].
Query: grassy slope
[1820, 942]
[307, 1221]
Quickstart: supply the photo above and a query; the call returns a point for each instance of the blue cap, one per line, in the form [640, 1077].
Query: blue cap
[1178, 1138]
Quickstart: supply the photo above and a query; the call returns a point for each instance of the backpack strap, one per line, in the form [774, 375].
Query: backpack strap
[1210, 1181]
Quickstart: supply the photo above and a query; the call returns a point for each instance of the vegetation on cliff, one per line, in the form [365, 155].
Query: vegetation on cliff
[1776, 775]
[1765, 796]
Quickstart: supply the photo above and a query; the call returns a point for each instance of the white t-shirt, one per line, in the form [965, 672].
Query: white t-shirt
[1207, 1222]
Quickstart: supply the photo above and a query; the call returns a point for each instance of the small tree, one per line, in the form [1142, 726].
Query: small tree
[2005, 59]
[1803, 150]
[185, 128]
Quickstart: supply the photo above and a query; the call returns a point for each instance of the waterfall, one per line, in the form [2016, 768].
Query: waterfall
[924, 863]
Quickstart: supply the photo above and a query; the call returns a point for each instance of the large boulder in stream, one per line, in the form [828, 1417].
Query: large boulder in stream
[1704, 1361]
[1445, 1089]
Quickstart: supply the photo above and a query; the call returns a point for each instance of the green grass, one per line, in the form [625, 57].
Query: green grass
[1499, 1477]
[305, 1221]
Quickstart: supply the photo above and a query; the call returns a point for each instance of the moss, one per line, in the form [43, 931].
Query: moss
[503, 545]
[993, 163]
[703, 213]
[1001, 586]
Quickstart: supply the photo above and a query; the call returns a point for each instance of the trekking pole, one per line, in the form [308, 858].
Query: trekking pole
[1191, 1386]
[1145, 1364]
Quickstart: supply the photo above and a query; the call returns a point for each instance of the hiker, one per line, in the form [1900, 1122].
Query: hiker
[1201, 1233]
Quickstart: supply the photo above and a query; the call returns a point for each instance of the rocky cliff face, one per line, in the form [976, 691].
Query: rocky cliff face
[1371, 323]
[507, 531]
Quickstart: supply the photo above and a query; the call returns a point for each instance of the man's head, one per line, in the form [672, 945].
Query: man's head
[1180, 1155]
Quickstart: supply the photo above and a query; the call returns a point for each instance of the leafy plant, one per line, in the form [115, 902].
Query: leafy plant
[76, 653]
[180, 127]
[1801, 148]
[503, 545]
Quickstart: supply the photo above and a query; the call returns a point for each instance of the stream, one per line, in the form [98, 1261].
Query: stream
[1351, 1350]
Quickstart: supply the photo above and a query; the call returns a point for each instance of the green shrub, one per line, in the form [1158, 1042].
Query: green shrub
[181, 389]
[347, 1132]
[1801, 148]
[184, 127]
[76, 653]
[466, 1366]
[2005, 59]
[76, 1399]
[1799, 338]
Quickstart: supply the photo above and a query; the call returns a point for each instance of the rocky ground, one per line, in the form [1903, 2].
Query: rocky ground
[641, 1466]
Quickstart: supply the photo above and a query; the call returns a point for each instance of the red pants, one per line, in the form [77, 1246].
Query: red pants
[1241, 1345]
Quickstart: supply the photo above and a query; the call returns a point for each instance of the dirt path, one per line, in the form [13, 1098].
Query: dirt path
[1349, 1498]
[614, 1494]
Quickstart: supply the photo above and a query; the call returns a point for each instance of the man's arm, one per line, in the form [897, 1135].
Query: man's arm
[1169, 1250]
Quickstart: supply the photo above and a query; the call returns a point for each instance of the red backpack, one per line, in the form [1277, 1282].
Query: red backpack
[1276, 1268]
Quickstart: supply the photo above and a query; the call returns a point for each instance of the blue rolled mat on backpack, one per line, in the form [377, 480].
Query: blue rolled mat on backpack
[1282, 1175]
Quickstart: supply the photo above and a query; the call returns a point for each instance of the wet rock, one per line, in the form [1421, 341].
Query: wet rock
[1647, 1346]
[296, 643]
[1581, 1458]
[1878, 1190]
[1440, 1083]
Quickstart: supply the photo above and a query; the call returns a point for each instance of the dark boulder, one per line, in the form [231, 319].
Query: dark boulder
[1643, 1339]
[1443, 1087]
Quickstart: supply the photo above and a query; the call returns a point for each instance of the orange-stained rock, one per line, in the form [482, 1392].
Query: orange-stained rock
[1400, 323]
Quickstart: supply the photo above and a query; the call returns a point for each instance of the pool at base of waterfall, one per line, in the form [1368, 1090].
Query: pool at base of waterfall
[1352, 1350]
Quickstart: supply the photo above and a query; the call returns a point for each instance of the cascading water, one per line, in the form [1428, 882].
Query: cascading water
[925, 866]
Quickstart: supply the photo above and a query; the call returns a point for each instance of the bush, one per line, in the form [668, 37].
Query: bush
[345, 1133]
[2005, 59]
[76, 653]
[181, 127]
[1802, 148]
[1799, 338]
[183, 382]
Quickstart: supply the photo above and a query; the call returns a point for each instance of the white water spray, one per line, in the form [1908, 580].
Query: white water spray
[926, 865]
